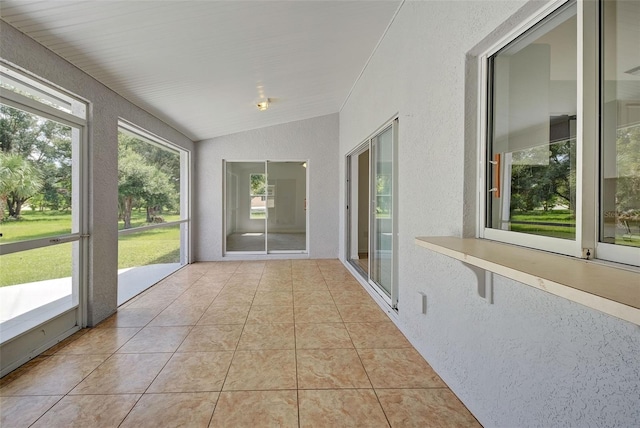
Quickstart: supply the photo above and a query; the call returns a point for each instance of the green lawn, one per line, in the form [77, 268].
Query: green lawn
[153, 246]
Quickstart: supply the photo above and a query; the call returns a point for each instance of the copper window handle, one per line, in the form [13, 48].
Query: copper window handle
[496, 175]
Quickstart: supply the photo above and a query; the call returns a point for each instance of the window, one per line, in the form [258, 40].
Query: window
[540, 151]
[258, 196]
[43, 223]
[153, 210]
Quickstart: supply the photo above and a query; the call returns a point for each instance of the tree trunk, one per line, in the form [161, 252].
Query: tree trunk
[150, 214]
[128, 205]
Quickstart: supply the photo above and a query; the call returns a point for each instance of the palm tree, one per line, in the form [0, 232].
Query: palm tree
[19, 181]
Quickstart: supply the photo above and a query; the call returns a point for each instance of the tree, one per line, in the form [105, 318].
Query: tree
[46, 146]
[140, 182]
[536, 185]
[19, 181]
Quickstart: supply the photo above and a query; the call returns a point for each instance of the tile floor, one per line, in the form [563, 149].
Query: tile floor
[236, 344]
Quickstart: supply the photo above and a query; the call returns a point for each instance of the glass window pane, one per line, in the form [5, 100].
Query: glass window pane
[532, 130]
[620, 150]
[382, 257]
[287, 206]
[36, 285]
[36, 176]
[246, 206]
[148, 182]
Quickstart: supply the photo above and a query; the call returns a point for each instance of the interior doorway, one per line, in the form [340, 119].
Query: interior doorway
[266, 207]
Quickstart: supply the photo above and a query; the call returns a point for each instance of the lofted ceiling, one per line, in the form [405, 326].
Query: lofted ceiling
[202, 66]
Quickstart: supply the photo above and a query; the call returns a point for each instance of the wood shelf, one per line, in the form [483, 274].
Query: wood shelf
[606, 288]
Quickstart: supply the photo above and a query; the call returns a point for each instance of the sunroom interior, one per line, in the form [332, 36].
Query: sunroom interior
[412, 213]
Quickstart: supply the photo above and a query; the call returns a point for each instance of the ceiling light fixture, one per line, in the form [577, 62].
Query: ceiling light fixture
[263, 105]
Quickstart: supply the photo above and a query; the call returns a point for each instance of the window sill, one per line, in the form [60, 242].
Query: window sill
[614, 291]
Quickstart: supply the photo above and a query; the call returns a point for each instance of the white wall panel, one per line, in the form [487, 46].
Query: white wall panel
[530, 359]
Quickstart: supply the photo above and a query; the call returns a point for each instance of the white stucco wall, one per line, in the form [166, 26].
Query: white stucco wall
[105, 107]
[530, 359]
[314, 140]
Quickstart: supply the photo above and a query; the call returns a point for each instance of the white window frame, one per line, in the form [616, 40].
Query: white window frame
[587, 144]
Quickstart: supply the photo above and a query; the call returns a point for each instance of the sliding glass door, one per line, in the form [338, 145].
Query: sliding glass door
[371, 212]
[266, 207]
[382, 210]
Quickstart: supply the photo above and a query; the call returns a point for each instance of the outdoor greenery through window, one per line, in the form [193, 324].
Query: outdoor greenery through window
[35, 192]
[532, 147]
[550, 172]
[148, 194]
[258, 196]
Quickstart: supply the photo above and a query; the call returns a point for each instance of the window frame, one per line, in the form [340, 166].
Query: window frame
[588, 139]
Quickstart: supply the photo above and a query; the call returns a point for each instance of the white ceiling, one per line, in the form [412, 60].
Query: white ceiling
[202, 65]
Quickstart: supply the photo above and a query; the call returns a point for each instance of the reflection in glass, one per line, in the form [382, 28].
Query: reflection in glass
[620, 144]
[532, 132]
[381, 260]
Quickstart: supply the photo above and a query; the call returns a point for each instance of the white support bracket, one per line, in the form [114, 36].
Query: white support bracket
[485, 282]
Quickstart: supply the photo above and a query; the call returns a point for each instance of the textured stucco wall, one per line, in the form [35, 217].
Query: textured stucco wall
[530, 359]
[105, 107]
[315, 140]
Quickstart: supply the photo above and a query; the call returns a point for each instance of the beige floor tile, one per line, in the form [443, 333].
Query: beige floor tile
[262, 370]
[23, 370]
[340, 408]
[244, 279]
[193, 372]
[57, 375]
[100, 341]
[241, 409]
[130, 317]
[251, 267]
[222, 267]
[155, 339]
[101, 411]
[315, 297]
[330, 369]
[242, 287]
[191, 410]
[213, 279]
[398, 368]
[123, 374]
[351, 297]
[275, 286]
[369, 312]
[270, 314]
[322, 336]
[267, 336]
[377, 335]
[58, 346]
[234, 297]
[317, 313]
[302, 285]
[436, 407]
[21, 412]
[273, 298]
[197, 297]
[178, 315]
[225, 314]
[207, 338]
[348, 285]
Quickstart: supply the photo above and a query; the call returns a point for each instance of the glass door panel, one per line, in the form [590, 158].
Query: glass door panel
[246, 206]
[382, 211]
[286, 206]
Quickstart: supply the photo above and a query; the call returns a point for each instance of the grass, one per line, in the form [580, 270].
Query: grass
[153, 246]
[562, 217]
